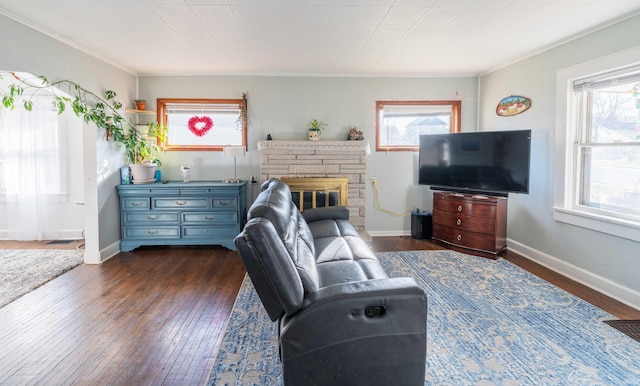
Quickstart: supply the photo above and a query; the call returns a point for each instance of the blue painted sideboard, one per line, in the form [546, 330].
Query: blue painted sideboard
[178, 213]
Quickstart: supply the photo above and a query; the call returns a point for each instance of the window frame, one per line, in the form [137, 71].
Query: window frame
[162, 119]
[566, 206]
[456, 107]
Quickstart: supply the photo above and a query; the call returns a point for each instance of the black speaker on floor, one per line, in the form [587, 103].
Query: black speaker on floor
[421, 225]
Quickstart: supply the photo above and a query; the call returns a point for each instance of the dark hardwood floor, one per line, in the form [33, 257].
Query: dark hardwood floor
[153, 316]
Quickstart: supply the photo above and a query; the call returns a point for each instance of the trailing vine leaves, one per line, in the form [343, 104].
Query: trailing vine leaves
[103, 111]
[241, 122]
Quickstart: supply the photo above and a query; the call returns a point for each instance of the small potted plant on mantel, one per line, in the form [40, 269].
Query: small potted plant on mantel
[315, 128]
[102, 111]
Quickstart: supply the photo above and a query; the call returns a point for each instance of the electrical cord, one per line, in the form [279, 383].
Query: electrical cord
[378, 206]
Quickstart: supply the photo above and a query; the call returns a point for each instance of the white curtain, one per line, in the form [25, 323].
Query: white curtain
[32, 186]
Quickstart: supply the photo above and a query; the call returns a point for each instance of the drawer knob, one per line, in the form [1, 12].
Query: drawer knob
[154, 232]
[152, 217]
[459, 208]
[210, 217]
[181, 203]
[458, 221]
[459, 237]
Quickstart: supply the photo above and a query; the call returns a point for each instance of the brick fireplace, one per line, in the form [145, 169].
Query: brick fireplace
[304, 159]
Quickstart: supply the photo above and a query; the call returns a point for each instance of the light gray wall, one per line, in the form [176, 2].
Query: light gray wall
[612, 263]
[25, 49]
[282, 107]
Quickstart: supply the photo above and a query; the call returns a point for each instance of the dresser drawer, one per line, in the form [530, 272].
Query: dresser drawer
[467, 239]
[181, 203]
[465, 223]
[210, 217]
[152, 232]
[224, 202]
[138, 218]
[195, 232]
[472, 208]
[133, 203]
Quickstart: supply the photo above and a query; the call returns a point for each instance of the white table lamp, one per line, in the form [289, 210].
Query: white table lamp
[234, 151]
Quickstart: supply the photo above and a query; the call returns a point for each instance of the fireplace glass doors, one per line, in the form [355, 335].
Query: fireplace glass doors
[317, 192]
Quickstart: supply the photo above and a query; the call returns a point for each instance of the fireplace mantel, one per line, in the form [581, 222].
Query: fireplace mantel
[325, 145]
[305, 159]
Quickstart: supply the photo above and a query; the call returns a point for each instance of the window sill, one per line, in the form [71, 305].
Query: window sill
[617, 227]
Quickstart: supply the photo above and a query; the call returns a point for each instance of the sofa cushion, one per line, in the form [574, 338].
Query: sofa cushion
[341, 255]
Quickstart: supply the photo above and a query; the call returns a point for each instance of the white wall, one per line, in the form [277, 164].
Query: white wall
[282, 107]
[606, 262]
[25, 49]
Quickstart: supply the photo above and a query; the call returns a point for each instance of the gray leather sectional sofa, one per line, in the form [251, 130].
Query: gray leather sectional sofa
[342, 320]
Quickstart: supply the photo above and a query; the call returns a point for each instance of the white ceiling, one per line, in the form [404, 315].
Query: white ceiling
[315, 37]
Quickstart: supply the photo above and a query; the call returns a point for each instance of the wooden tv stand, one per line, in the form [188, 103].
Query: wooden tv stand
[473, 224]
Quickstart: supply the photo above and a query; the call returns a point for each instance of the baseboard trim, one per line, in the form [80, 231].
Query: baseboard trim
[388, 233]
[110, 251]
[603, 285]
[65, 234]
[102, 255]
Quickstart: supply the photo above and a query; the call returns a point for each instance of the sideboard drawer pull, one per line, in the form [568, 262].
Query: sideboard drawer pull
[225, 202]
[210, 217]
[137, 203]
[152, 217]
[154, 232]
[459, 208]
[181, 203]
[458, 221]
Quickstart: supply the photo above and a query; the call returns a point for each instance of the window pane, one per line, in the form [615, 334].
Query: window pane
[204, 129]
[406, 129]
[615, 114]
[612, 178]
[400, 124]
[204, 124]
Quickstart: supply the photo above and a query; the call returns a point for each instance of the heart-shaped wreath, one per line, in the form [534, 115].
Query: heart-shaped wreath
[200, 125]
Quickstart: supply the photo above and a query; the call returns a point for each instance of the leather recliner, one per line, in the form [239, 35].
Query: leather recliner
[342, 320]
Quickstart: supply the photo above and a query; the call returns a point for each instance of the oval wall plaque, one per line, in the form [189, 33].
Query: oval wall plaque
[513, 105]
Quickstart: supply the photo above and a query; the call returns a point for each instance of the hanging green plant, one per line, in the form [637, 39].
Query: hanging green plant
[103, 111]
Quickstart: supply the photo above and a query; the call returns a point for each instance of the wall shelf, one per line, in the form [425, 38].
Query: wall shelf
[143, 112]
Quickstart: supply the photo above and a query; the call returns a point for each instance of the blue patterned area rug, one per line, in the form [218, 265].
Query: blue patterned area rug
[489, 322]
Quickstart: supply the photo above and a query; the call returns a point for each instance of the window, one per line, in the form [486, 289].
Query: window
[31, 151]
[607, 143]
[597, 183]
[399, 124]
[204, 124]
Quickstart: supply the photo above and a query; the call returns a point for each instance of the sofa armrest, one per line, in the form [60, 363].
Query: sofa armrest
[373, 329]
[338, 312]
[326, 213]
[365, 288]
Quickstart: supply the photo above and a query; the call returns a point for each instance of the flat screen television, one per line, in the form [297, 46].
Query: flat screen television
[485, 162]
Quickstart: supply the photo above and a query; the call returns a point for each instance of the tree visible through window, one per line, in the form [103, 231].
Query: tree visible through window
[399, 124]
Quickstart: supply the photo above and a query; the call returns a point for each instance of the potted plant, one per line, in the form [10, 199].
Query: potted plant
[103, 111]
[315, 128]
[141, 104]
[142, 152]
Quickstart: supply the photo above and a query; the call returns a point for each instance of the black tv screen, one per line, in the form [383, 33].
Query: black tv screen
[491, 162]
